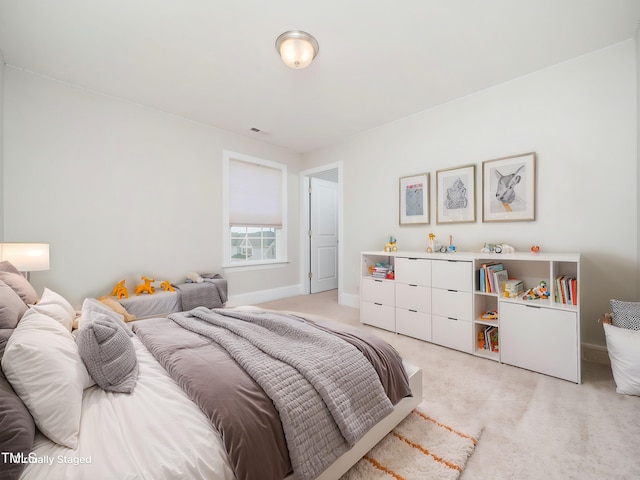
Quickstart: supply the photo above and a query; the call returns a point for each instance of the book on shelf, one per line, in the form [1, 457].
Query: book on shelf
[490, 339]
[487, 280]
[566, 290]
[500, 277]
[513, 287]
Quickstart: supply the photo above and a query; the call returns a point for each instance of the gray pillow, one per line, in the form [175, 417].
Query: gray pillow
[626, 314]
[17, 428]
[12, 277]
[11, 307]
[109, 354]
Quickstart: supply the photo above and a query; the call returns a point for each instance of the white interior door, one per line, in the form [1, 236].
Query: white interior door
[324, 234]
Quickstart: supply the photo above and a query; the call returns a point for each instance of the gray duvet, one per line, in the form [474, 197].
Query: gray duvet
[326, 388]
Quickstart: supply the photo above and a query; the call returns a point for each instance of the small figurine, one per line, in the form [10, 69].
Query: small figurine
[391, 245]
[120, 290]
[452, 247]
[146, 286]
[432, 239]
[490, 315]
[540, 292]
[535, 249]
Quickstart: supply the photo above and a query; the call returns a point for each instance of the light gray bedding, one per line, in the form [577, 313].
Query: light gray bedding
[321, 386]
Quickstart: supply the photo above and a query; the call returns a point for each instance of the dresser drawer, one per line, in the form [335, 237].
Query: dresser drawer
[456, 334]
[377, 315]
[451, 303]
[452, 275]
[377, 291]
[413, 297]
[413, 324]
[416, 271]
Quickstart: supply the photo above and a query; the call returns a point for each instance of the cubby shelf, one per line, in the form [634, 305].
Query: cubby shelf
[437, 298]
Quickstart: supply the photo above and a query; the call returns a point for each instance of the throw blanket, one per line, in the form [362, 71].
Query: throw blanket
[212, 293]
[321, 386]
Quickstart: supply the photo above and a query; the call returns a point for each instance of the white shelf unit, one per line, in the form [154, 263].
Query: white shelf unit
[436, 298]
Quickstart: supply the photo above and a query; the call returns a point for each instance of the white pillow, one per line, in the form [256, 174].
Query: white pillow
[623, 346]
[56, 307]
[42, 363]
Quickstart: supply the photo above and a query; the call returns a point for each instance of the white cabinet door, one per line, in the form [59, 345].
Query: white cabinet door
[413, 297]
[413, 324]
[452, 275]
[452, 333]
[415, 271]
[378, 291]
[377, 315]
[451, 303]
[540, 339]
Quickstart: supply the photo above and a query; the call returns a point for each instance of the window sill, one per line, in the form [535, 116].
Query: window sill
[255, 266]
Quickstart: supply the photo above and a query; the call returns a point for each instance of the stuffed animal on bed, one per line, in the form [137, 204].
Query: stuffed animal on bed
[146, 286]
[166, 286]
[120, 290]
[195, 277]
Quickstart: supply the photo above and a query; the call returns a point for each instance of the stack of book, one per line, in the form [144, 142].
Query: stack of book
[488, 339]
[492, 277]
[566, 290]
[381, 270]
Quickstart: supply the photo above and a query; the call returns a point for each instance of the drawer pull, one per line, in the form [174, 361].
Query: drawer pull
[451, 318]
[379, 281]
[450, 290]
[412, 285]
[379, 304]
[533, 306]
[412, 258]
[414, 311]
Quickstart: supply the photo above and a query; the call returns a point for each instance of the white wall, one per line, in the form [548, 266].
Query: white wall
[120, 190]
[579, 117]
[2, 177]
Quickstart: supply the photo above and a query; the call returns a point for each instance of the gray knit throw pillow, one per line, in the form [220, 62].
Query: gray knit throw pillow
[626, 314]
[109, 354]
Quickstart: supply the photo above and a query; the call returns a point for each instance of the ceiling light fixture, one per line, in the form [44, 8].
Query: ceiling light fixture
[297, 48]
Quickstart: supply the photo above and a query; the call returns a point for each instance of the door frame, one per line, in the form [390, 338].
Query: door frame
[305, 241]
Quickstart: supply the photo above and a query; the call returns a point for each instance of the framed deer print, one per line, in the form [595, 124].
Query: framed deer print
[456, 195]
[509, 189]
[414, 199]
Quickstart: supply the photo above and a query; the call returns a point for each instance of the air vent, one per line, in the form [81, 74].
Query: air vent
[254, 129]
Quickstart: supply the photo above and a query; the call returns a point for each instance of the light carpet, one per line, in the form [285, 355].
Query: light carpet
[425, 445]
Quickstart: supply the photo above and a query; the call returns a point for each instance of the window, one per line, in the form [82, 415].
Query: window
[255, 210]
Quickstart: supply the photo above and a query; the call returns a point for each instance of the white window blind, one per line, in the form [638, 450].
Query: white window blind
[255, 194]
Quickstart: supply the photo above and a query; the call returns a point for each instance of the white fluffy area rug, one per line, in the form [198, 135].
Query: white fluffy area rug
[424, 446]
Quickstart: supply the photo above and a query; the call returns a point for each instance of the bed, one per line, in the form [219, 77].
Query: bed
[162, 429]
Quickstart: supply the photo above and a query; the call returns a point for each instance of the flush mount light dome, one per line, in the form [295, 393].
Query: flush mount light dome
[297, 48]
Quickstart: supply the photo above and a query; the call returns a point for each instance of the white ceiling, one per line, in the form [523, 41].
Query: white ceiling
[214, 61]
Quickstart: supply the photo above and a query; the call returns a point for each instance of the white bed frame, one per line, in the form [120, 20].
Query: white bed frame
[377, 433]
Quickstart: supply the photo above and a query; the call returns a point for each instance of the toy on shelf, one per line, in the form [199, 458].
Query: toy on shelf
[166, 286]
[120, 290]
[481, 340]
[535, 249]
[539, 292]
[391, 245]
[497, 248]
[146, 286]
[490, 315]
[434, 246]
[452, 247]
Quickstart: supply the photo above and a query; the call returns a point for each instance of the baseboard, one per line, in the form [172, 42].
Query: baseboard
[595, 354]
[262, 296]
[350, 300]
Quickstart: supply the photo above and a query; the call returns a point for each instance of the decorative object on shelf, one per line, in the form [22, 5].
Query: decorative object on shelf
[120, 291]
[452, 247]
[146, 287]
[539, 292]
[512, 288]
[166, 286]
[456, 195]
[414, 199]
[535, 249]
[431, 246]
[508, 188]
[391, 245]
[489, 315]
[297, 48]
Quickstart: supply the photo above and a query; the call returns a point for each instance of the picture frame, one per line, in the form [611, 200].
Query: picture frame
[509, 189]
[456, 195]
[414, 199]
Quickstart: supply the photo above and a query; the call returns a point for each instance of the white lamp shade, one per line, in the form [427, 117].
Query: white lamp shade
[297, 48]
[26, 257]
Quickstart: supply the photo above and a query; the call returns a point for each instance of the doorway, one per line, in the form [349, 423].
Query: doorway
[322, 214]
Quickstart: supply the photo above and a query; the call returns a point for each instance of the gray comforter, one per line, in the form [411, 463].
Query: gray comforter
[317, 431]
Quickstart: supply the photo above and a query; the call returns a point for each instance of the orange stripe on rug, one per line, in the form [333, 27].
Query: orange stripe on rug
[463, 435]
[382, 468]
[441, 460]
